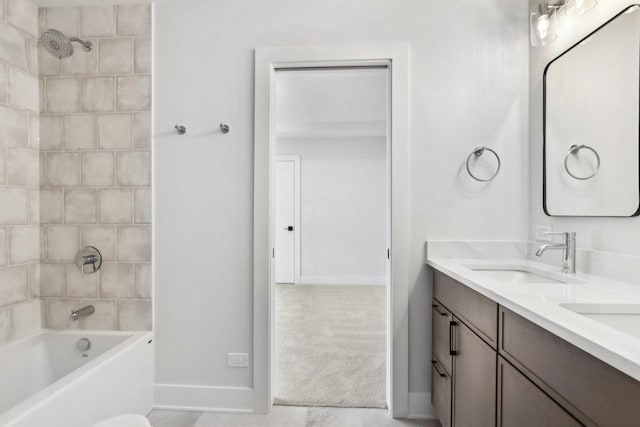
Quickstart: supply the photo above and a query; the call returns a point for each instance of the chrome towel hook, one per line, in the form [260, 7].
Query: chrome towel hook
[181, 129]
[477, 152]
[574, 150]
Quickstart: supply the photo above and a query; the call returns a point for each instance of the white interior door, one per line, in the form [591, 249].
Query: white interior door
[285, 254]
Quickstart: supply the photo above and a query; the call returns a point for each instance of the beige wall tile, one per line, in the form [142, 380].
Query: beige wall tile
[51, 279]
[23, 90]
[143, 280]
[15, 127]
[116, 206]
[134, 20]
[134, 315]
[34, 206]
[34, 280]
[51, 202]
[102, 238]
[15, 285]
[34, 131]
[142, 206]
[5, 319]
[98, 21]
[115, 56]
[81, 62]
[63, 95]
[134, 93]
[23, 167]
[115, 130]
[15, 206]
[105, 316]
[133, 168]
[2, 4]
[142, 56]
[4, 245]
[24, 244]
[80, 206]
[78, 286]
[32, 56]
[3, 165]
[98, 94]
[98, 169]
[50, 132]
[65, 19]
[58, 313]
[25, 319]
[80, 131]
[63, 169]
[43, 95]
[63, 242]
[48, 65]
[4, 83]
[133, 243]
[13, 47]
[142, 130]
[117, 280]
[24, 15]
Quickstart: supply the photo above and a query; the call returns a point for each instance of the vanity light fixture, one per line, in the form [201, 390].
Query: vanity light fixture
[542, 19]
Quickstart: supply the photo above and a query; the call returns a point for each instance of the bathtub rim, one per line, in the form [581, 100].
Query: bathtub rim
[20, 410]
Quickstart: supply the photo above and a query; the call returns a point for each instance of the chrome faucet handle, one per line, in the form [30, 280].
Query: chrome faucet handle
[89, 256]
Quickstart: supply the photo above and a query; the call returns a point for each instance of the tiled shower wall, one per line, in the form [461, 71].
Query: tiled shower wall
[19, 213]
[95, 166]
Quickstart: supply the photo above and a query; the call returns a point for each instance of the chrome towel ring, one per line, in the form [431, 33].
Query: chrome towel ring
[477, 152]
[574, 150]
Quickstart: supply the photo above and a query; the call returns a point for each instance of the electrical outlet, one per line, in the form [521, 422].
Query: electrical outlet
[238, 360]
[540, 233]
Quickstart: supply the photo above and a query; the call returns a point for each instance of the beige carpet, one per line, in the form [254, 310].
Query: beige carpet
[331, 346]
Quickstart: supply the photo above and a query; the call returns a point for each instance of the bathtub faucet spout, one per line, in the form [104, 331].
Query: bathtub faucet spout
[81, 312]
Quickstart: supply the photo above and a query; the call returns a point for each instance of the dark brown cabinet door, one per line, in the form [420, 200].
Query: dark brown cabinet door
[474, 377]
[441, 321]
[522, 404]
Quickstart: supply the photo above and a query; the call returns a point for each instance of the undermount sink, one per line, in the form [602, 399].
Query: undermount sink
[622, 317]
[518, 274]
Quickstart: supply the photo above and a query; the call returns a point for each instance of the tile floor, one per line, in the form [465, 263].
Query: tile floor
[286, 416]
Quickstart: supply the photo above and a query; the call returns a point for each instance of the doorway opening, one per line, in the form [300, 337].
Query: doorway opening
[331, 228]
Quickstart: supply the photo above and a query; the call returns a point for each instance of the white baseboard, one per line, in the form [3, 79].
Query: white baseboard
[420, 406]
[184, 397]
[343, 280]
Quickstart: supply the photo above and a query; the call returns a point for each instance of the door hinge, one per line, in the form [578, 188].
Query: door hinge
[388, 253]
[273, 252]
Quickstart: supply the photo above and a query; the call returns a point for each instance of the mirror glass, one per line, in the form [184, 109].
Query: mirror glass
[592, 122]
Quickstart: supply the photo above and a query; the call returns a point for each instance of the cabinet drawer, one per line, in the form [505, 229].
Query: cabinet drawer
[441, 393]
[441, 334]
[594, 392]
[522, 404]
[477, 311]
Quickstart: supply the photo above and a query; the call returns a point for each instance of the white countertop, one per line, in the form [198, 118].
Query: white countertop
[539, 303]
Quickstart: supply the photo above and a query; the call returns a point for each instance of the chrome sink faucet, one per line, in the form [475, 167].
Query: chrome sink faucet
[568, 247]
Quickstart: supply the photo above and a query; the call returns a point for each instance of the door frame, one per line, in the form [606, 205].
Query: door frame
[295, 158]
[267, 60]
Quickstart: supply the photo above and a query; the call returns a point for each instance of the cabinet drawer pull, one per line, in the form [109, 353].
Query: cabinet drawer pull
[453, 345]
[436, 307]
[435, 366]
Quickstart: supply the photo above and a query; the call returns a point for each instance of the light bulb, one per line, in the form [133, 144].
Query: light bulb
[578, 7]
[543, 26]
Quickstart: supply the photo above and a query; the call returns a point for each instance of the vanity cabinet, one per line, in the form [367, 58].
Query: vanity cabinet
[492, 367]
[464, 361]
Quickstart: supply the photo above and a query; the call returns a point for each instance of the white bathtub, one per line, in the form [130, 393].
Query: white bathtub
[46, 381]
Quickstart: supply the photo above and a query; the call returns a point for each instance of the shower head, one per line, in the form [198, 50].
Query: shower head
[59, 45]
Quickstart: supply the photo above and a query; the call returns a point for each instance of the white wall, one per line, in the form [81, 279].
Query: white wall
[343, 209]
[468, 87]
[607, 234]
